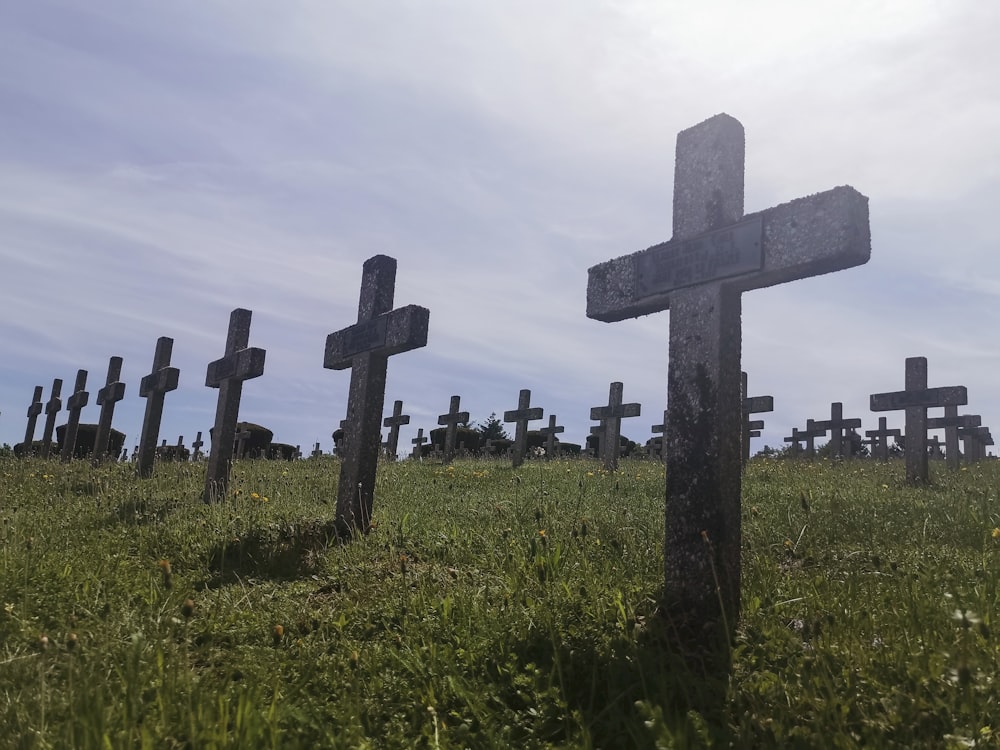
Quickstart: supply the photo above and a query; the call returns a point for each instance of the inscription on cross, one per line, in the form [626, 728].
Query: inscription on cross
[52, 407]
[915, 400]
[112, 392]
[365, 348]
[550, 433]
[74, 405]
[611, 417]
[523, 414]
[452, 420]
[33, 411]
[394, 422]
[752, 405]
[836, 425]
[717, 253]
[239, 363]
[161, 380]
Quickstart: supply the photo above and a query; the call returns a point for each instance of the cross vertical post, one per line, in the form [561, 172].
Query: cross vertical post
[611, 420]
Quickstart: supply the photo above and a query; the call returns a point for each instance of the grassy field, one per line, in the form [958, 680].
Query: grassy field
[490, 607]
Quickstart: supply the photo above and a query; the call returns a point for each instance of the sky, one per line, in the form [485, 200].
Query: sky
[164, 163]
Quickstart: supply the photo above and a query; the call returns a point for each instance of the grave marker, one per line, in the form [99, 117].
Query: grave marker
[394, 423]
[835, 425]
[915, 400]
[239, 363]
[611, 419]
[521, 416]
[661, 430]
[52, 407]
[317, 451]
[795, 440]
[951, 422]
[365, 348]
[717, 253]
[153, 387]
[752, 405]
[33, 411]
[418, 442]
[879, 439]
[74, 405]
[112, 392]
[452, 419]
[550, 433]
[974, 441]
[198, 442]
[241, 438]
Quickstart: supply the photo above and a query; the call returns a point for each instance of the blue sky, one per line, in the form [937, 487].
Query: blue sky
[164, 163]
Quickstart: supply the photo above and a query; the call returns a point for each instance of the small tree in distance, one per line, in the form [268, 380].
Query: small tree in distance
[492, 429]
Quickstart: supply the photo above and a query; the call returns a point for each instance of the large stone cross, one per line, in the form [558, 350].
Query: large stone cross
[452, 420]
[610, 417]
[112, 392]
[394, 422]
[33, 411]
[715, 255]
[915, 400]
[240, 362]
[523, 414]
[153, 387]
[74, 405]
[52, 407]
[365, 347]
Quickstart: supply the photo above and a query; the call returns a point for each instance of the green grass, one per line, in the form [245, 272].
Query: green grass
[490, 607]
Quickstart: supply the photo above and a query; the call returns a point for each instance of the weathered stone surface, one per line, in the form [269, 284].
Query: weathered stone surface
[161, 380]
[836, 425]
[452, 420]
[610, 417]
[699, 276]
[394, 422]
[74, 405]
[112, 392]
[523, 414]
[29, 433]
[86, 435]
[52, 407]
[365, 348]
[752, 405]
[950, 423]
[915, 400]
[239, 363]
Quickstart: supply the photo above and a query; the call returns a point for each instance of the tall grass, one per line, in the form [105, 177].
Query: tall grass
[489, 607]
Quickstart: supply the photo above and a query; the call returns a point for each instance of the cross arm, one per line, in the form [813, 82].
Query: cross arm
[962, 420]
[955, 395]
[162, 380]
[809, 236]
[390, 333]
[758, 404]
[607, 412]
[244, 364]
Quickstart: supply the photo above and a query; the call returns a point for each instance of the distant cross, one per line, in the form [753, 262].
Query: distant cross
[796, 439]
[365, 347]
[298, 452]
[879, 439]
[915, 400]
[611, 418]
[836, 425]
[717, 253]
[974, 441]
[418, 442]
[661, 430]
[597, 431]
[934, 447]
[451, 421]
[227, 374]
[523, 414]
[161, 380]
[550, 433]
[112, 392]
[179, 447]
[196, 445]
[752, 405]
[163, 443]
[394, 423]
[951, 422]
[52, 407]
[74, 405]
[33, 411]
[241, 441]
[317, 451]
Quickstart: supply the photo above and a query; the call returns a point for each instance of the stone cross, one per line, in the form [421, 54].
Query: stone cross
[661, 430]
[611, 417]
[196, 445]
[521, 416]
[974, 441]
[74, 405]
[418, 441]
[33, 411]
[752, 405]
[365, 347]
[153, 387]
[836, 425]
[452, 419]
[915, 400]
[52, 407]
[934, 447]
[716, 254]
[112, 392]
[394, 423]
[317, 451]
[951, 422]
[550, 433]
[241, 438]
[879, 439]
[795, 440]
[239, 363]
[597, 431]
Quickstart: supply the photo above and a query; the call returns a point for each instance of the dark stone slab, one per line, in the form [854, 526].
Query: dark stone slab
[161, 380]
[915, 400]
[74, 405]
[239, 363]
[806, 237]
[112, 392]
[523, 414]
[451, 421]
[52, 407]
[610, 417]
[394, 422]
[365, 348]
